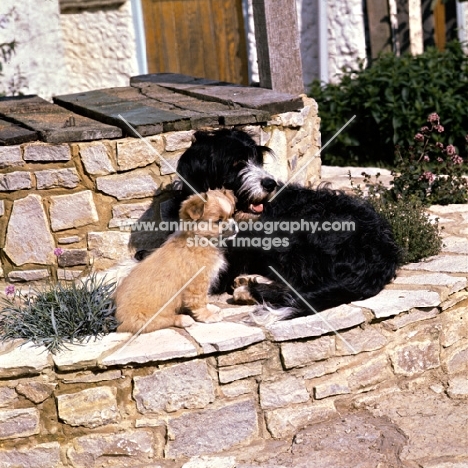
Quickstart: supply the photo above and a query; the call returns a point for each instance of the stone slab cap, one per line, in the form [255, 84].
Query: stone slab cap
[442, 263]
[53, 123]
[454, 283]
[86, 355]
[224, 336]
[13, 134]
[328, 321]
[139, 111]
[393, 302]
[160, 345]
[13, 362]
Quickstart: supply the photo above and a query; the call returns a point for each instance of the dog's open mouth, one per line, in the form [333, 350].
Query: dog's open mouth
[256, 208]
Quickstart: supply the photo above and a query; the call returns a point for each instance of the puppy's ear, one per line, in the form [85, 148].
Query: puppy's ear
[230, 195]
[193, 208]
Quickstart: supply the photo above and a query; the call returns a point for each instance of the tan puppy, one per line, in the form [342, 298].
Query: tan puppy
[148, 296]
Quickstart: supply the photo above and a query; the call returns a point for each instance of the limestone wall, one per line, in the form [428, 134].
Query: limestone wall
[234, 391]
[76, 196]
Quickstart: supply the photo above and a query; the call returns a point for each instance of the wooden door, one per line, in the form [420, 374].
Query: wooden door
[202, 38]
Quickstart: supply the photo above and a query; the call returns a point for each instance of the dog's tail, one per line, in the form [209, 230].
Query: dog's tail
[279, 302]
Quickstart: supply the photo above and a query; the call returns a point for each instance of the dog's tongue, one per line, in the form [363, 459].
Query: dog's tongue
[257, 208]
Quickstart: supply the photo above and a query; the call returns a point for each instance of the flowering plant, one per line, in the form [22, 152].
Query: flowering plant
[429, 170]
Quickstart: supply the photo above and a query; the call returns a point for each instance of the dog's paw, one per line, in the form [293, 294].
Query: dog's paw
[184, 321]
[205, 315]
[213, 308]
[241, 295]
[244, 280]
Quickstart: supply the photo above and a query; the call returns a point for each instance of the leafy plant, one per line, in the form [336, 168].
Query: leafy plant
[428, 170]
[59, 314]
[389, 97]
[415, 233]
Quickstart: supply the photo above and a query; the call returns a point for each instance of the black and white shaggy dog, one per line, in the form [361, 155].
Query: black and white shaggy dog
[350, 255]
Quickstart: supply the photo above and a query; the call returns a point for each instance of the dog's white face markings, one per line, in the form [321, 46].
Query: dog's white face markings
[251, 177]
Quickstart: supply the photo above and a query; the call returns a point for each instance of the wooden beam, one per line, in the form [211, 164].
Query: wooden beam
[278, 50]
[380, 32]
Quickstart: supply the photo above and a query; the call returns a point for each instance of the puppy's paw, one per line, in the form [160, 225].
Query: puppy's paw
[244, 280]
[241, 295]
[183, 321]
[205, 315]
[213, 308]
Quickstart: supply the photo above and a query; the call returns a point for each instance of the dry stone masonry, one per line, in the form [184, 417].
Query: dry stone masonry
[73, 173]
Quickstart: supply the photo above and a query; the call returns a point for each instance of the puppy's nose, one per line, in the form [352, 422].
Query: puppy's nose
[268, 184]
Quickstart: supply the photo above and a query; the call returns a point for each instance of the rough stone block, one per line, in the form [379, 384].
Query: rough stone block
[458, 387]
[183, 386]
[28, 275]
[239, 387]
[239, 371]
[133, 153]
[413, 316]
[71, 211]
[137, 184]
[13, 363]
[454, 326]
[357, 341]
[392, 302]
[73, 257]
[123, 449]
[331, 387]
[160, 345]
[211, 462]
[68, 275]
[10, 156]
[442, 263]
[37, 392]
[224, 336]
[256, 352]
[283, 392]
[175, 141]
[15, 181]
[107, 248]
[69, 239]
[37, 456]
[212, 431]
[302, 353]
[455, 358]
[46, 152]
[415, 358]
[90, 377]
[284, 422]
[371, 373]
[53, 178]
[28, 238]
[453, 283]
[18, 423]
[2, 207]
[96, 160]
[7, 396]
[123, 213]
[330, 320]
[168, 164]
[91, 408]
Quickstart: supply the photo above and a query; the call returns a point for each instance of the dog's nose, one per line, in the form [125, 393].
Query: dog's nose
[269, 184]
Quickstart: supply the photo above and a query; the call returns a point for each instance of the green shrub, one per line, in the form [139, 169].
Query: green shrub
[389, 99]
[414, 232]
[59, 314]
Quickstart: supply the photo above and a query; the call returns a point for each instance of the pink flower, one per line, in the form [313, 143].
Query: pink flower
[419, 137]
[439, 145]
[10, 290]
[451, 150]
[433, 118]
[58, 251]
[457, 159]
[426, 158]
[439, 128]
[424, 129]
[428, 176]
[439, 159]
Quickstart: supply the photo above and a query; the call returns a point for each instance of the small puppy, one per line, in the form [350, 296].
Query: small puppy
[150, 296]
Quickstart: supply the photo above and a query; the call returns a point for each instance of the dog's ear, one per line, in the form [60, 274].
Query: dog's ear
[193, 208]
[230, 195]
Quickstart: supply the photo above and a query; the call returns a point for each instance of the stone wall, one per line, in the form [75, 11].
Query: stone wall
[235, 391]
[76, 196]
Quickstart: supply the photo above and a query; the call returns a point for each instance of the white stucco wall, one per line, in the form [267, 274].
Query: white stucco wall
[346, 37]
[99, 48]
[38, 65]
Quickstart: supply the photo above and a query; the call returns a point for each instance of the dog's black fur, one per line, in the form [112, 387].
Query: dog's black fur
[326, 268]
